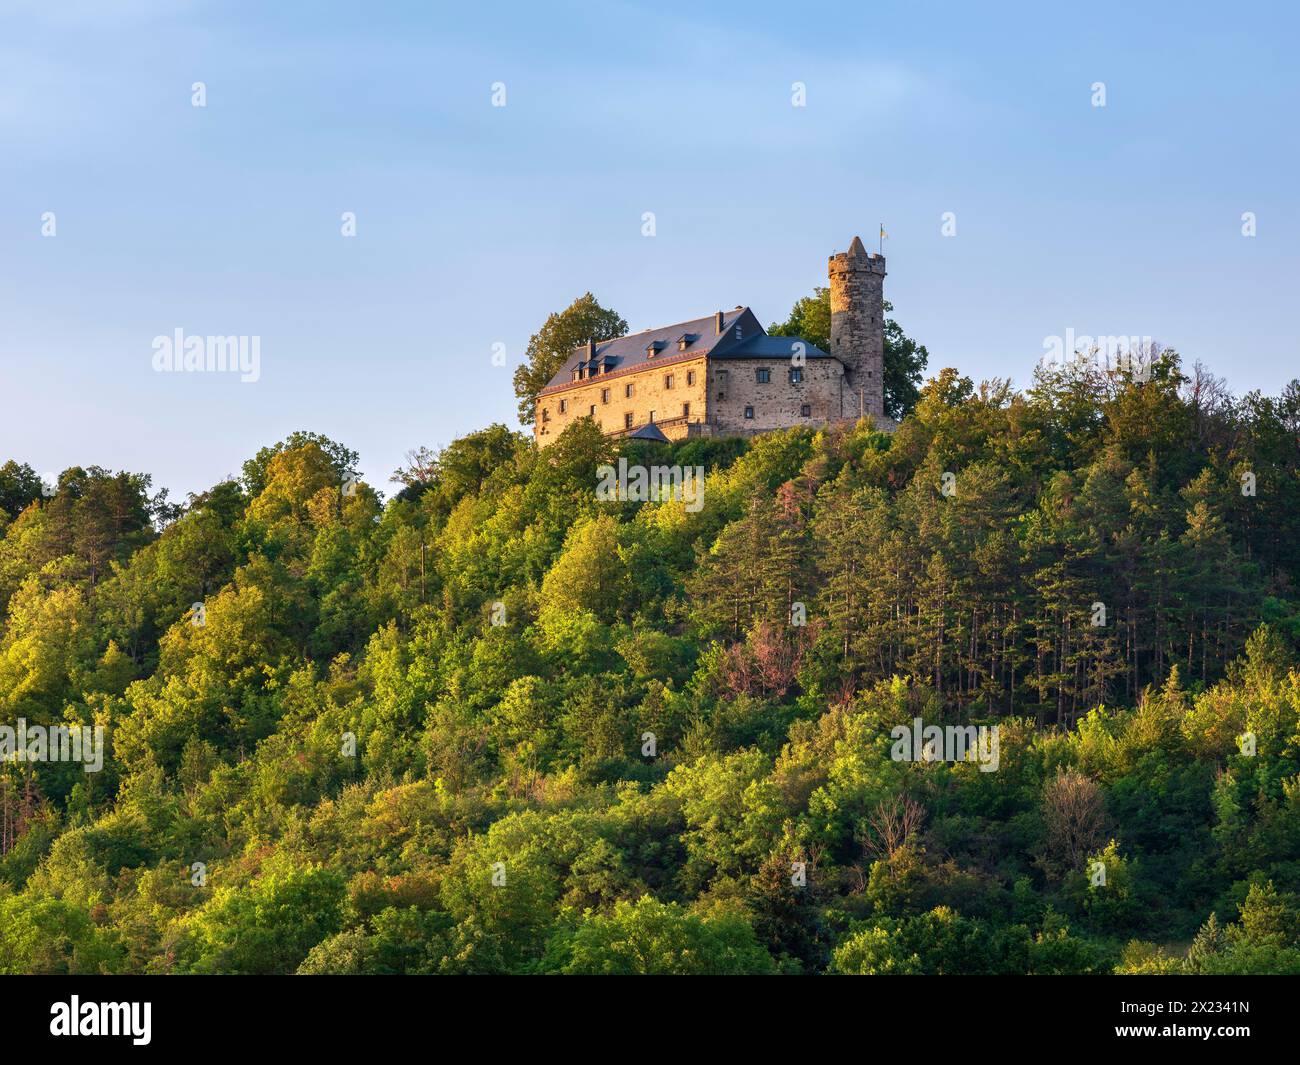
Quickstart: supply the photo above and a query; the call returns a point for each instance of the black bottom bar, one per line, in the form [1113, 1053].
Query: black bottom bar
[332, 1014]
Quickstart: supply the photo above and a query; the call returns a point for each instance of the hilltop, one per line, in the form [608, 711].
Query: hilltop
[497, 724]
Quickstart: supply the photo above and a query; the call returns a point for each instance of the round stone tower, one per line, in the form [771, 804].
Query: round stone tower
[858, 327]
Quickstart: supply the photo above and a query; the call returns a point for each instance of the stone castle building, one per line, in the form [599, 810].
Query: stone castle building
[726, 376]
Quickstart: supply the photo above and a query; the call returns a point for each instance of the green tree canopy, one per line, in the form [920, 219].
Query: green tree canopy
[584, 319]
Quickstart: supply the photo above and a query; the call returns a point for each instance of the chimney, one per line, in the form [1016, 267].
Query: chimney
[717, 322]
[857, 280]
[591, 349]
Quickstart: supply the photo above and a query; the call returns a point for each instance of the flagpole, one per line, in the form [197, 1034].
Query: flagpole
[880, 242]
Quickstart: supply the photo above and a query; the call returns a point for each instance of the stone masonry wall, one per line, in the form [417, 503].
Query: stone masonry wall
[650, 394]
[778, 403]
[858, 328]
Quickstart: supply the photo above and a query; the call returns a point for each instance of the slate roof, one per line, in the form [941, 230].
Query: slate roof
[766, 346]
[649, 431]
[742, 337]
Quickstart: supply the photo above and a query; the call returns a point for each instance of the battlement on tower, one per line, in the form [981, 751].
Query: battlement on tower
[868, 261]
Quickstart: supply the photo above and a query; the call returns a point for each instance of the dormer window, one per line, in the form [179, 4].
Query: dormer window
[653, 348]
[685, 341]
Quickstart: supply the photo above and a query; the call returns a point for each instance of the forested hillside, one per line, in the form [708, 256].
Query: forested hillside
[497, 725]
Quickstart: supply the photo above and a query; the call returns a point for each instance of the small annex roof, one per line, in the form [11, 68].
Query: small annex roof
[650, 432]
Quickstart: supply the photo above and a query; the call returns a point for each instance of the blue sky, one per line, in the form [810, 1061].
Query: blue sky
[474, 222]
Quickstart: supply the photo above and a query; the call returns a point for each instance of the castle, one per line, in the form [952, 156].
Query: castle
[726, 376]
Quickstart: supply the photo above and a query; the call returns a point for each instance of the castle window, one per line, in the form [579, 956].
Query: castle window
[668, 380]
[546, 414]
[763, 376]
[686, 410]
[796, 375]
[749, 412]
[604, 395]
[593, 410]
[722, 395]
[805, 411]
[627, 420]
[652, 415]
[564, 405]
[690, 377]
[628, 389]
